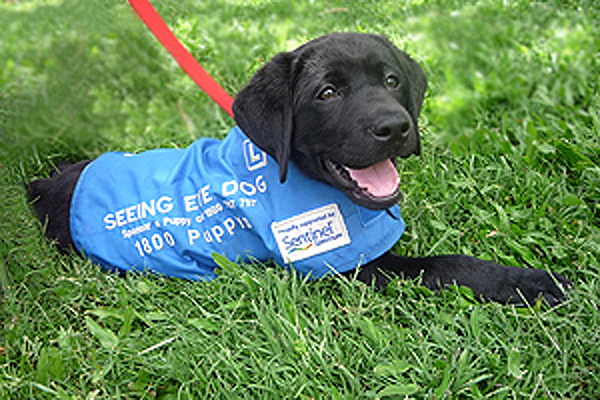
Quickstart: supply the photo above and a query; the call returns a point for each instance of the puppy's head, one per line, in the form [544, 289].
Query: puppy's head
[342, 107]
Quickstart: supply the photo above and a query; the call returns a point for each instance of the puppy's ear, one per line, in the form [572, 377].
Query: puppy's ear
[418, 85]
[416, 94]
[263, 109]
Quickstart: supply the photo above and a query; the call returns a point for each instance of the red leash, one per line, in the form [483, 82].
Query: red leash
[183, 57]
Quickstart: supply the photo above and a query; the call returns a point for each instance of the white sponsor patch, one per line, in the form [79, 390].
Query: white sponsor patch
[311, 233]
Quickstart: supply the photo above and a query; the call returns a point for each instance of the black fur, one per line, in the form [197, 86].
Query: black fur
[364, 123]
[352, 99]
[52, 202]
[488, 280]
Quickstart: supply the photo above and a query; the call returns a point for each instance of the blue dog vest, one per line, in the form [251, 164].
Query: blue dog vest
[167, 211]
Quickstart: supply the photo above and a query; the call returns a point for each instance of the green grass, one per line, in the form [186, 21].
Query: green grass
[510, 171]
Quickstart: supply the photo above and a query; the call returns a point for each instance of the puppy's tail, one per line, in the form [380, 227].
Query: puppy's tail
[51, 202]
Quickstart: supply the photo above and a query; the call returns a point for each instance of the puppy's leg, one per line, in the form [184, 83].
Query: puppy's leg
[51, 201]
[488, 280]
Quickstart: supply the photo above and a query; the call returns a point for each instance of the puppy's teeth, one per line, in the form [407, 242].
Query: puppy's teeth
[344, 171]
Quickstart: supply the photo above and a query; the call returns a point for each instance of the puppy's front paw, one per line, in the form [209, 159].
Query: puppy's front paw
[529, 285]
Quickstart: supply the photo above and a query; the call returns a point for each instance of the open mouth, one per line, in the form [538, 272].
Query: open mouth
[375, 186]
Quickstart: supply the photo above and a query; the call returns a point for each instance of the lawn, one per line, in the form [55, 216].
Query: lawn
[510, 171]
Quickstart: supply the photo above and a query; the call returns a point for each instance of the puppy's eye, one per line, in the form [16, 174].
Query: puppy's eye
[392, 82]
[327, 93]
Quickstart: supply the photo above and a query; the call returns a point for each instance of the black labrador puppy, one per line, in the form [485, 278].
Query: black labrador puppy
[333, 116]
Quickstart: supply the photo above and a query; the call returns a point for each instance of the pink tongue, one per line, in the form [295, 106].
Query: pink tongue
[380, 180]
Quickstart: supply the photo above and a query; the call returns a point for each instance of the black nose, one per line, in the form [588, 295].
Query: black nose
[397, 126]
